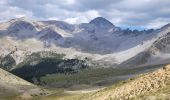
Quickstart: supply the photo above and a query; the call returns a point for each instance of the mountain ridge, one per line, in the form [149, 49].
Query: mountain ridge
[82, 40]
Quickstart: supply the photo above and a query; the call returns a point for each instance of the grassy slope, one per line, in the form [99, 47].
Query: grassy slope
[107, 92]
[10, 85]
[13, 87]
[93, 77]
[149, 86]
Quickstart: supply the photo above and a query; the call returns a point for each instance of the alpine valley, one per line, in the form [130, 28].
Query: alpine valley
[54, 60]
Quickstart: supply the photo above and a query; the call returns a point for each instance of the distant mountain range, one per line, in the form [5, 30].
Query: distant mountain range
[99, 41]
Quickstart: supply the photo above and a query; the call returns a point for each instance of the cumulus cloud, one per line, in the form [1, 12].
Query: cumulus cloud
[9, 12]
[83, 17]
[140, 13]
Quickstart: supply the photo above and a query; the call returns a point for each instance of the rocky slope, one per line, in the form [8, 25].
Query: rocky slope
[150, 86]
[157, 53]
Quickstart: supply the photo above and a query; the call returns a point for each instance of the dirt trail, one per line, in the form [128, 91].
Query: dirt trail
[84, 90]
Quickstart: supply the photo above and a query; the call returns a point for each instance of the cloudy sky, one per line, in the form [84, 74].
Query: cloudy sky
[124, 13]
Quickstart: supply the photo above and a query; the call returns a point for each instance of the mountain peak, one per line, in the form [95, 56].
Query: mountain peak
[102, 22]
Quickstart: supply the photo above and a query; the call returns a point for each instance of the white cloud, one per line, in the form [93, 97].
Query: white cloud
[91, 14]
[157, 23]
[83, 17]
[8, 12]
[53, 18]
[74, 20]
[70, 2]
[144, 13]
[3, 2]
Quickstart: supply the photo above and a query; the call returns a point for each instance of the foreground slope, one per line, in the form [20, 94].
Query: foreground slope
[9, 78]
[154, 85]
[12, 87]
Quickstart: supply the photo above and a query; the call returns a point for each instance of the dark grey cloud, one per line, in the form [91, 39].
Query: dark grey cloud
[142, 13]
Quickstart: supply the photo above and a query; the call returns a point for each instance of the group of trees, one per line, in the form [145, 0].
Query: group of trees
[37, 66]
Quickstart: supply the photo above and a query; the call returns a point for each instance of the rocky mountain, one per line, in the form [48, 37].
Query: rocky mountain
[60, 24]
[100, 41]
[102, 23]
[157, 53]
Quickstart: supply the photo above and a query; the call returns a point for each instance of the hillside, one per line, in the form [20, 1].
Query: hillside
[12, 86]
[150, 86]
[157, 53]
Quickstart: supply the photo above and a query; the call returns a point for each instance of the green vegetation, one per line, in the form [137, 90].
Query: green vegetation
[39, 64]
[86, 78]
[9, 97]
[86, 96]
[49, 69]
[92, 77]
